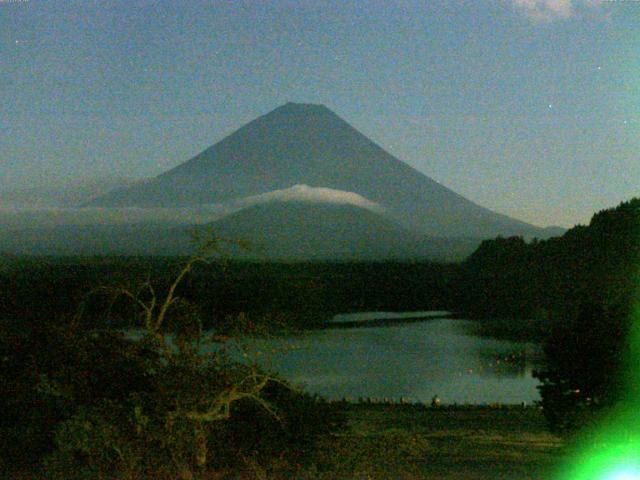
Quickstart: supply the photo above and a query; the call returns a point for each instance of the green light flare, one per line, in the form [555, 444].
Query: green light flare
[611, 450]
[612, 460]
[631, 473]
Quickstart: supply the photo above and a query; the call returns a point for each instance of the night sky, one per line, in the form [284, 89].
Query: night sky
[528, 107]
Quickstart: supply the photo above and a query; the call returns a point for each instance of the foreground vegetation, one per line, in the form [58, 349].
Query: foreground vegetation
[85, 402]
[478, 443]
[81, 400]
[379, 442]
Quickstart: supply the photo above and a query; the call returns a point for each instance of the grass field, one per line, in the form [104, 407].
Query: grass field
[471, 443]
[406, 442]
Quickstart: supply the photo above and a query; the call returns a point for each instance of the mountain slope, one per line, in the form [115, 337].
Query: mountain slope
[314, 231]
[276, 231]
[309, 144]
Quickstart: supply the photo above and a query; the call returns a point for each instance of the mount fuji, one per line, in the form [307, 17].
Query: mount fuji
[305, 148]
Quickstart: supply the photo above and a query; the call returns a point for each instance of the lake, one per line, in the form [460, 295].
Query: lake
[416, 360]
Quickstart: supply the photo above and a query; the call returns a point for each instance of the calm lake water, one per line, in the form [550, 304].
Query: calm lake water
[413, 360]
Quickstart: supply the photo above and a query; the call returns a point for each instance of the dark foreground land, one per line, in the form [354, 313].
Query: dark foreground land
[470, 443]
[407, 442]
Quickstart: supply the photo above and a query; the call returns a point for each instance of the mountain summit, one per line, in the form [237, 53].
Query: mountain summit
[309, 144]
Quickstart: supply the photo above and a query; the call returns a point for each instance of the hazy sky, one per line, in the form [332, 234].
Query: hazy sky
[528, 107]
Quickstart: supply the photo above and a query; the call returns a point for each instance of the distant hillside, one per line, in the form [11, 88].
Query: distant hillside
[309, 144]
[594, 264]
[314, 231]
[71, 240]
[277, 231]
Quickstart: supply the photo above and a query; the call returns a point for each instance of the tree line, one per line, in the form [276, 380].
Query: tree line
[576, 292]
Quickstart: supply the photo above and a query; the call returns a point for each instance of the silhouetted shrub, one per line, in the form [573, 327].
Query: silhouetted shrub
[87, 403]
[585, 368]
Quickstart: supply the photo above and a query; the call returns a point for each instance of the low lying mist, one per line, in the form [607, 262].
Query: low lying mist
[22, 217]
[19, 216]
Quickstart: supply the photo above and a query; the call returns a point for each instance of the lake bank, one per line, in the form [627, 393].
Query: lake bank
[477, 443]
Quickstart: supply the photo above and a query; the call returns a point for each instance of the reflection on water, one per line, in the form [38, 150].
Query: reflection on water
[414, 361]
